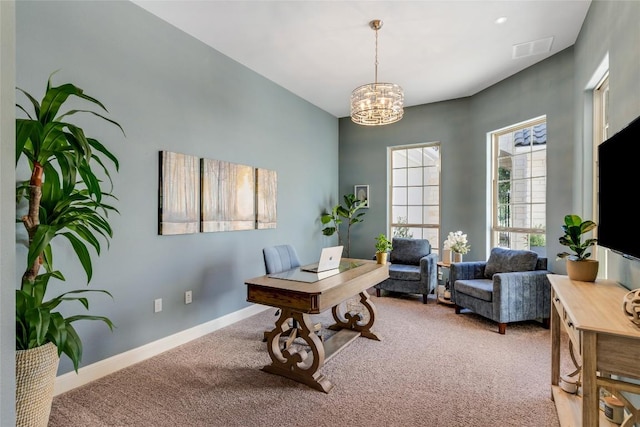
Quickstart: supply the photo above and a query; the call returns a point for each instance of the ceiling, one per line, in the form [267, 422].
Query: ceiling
[435, 50]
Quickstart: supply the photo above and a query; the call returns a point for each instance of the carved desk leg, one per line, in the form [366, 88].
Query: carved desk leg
[355, 321]
[297, 362]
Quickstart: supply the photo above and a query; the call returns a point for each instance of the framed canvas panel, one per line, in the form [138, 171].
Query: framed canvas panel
[266, 198]
[362, 193]
[228, 196]
[179, 194]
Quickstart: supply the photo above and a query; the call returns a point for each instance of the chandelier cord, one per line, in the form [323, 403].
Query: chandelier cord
[375, 80]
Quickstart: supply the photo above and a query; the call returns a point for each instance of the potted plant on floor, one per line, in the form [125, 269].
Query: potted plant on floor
[348, 212]
[65, 198]
[383, 246]
[579, 266]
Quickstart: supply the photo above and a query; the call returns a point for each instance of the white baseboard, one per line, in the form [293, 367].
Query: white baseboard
[71, 380]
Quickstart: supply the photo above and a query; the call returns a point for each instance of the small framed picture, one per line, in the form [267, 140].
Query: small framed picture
[362, 193]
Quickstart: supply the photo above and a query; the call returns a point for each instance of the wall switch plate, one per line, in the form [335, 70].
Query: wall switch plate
[157, 305]
[188, 297]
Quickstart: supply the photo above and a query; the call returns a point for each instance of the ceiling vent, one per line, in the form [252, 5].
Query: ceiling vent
[535, 47]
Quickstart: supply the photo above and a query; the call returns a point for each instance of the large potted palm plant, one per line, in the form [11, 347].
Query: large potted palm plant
[66, 198]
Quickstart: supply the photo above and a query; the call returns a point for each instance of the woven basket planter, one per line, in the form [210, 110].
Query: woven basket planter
[36, 370]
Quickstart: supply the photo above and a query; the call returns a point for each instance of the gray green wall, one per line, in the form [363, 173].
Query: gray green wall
[363, 160]
[611, 27]
[461, 127]
[172, 92]
[555, 88]
[7, 214]
[544, 89]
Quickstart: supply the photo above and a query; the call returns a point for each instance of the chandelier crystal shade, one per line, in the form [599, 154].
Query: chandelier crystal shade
[377, 104]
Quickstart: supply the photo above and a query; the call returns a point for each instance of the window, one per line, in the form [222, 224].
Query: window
[415, 192]
[519, 177]
[600, 131]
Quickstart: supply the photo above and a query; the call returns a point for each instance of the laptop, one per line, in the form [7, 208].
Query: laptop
[329, 260]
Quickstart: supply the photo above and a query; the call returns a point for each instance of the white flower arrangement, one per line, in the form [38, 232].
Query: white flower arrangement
[457, 242]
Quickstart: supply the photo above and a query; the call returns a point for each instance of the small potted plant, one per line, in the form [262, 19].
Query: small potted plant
[383, 246]
[579, 266]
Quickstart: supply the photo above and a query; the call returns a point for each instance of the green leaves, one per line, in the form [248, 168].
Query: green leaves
[67, 199]
[574, 227]
[37, 324]
[383, 244]
[349, 212]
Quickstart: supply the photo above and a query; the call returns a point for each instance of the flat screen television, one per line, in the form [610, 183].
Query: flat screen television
[618, 190]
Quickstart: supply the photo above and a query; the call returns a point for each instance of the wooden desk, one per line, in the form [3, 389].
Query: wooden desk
[608, 343]
[297, 300]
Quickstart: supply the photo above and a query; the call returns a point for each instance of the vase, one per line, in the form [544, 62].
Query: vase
[446, 256]
[381, 257]
[583, 271]
[36, 370]
[457, 257]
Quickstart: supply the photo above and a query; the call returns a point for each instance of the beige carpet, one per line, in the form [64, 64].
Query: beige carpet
[432, 368]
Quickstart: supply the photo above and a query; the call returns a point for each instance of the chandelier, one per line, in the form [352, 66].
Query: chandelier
[377, 104]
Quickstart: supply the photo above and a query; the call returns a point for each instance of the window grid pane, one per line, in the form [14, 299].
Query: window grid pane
[414, 176]
[399, 159]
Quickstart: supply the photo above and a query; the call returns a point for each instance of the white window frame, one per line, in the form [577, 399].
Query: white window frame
[427, 230]
[526, 233]
[600, 131]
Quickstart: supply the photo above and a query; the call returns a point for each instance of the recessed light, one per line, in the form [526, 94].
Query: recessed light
[501, 20]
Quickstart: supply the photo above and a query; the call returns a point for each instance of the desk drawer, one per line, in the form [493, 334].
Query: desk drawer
[574, 335]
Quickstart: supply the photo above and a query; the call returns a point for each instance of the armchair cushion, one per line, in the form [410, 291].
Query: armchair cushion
[404, 272]
[409, 251]
[503, 260]
[477, 288]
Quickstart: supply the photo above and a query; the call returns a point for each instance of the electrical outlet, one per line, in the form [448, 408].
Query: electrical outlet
[188, 297]
[157, 305]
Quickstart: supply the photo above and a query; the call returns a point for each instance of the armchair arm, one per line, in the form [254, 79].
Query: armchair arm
[465, 271]
[429, 271]
[521, 295]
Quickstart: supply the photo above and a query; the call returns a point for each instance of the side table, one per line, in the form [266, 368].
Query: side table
[440, 295]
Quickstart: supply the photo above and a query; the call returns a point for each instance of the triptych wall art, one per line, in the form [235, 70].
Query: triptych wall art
[205, 195]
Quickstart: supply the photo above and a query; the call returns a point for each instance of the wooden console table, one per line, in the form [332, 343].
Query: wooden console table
[297, 300]
[608, 344]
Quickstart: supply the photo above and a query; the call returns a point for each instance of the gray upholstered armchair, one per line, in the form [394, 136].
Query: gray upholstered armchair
[511, 286]
[413, 268]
